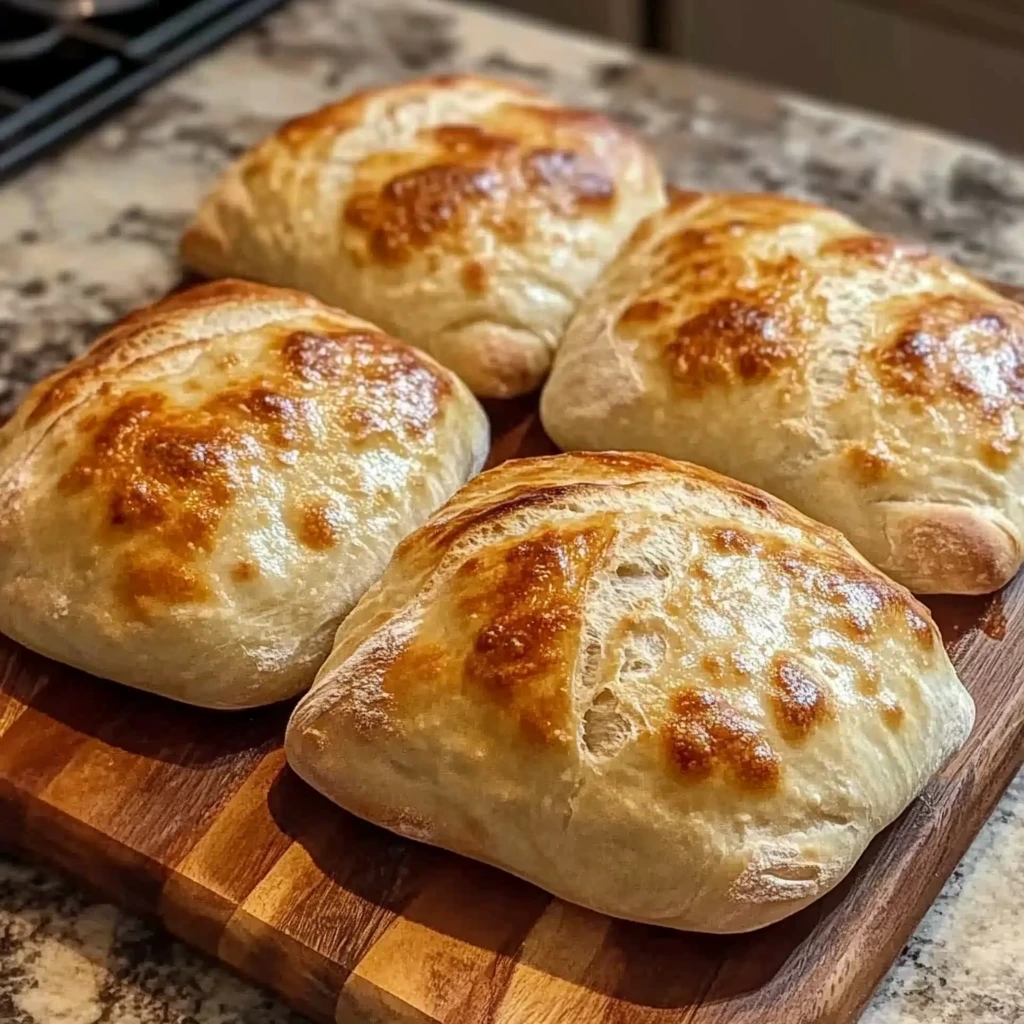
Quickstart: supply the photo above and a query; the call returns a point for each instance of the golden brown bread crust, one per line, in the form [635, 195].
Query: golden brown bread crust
[168, 472]
[432, 208]
[969, 550]
[219, 452]
[648, 688]
[878, 388]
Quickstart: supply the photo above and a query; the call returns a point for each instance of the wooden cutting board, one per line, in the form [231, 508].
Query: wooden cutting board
[193, 816]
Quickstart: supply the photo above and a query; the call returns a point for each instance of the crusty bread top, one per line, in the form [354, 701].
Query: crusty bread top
[434, 206]
[781, 343]
[514, 595]
[740, 288]
[488, 155]
[179, 423]
[520, 156]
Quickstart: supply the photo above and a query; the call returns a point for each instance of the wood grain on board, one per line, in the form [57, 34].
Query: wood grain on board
[192, 815]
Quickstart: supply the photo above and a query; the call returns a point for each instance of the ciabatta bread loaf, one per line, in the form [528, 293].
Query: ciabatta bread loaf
[466, 216]
[648, 689]
[874, 387]
[193, 505]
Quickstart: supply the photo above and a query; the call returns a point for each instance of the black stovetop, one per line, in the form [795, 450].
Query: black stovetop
[60, 74]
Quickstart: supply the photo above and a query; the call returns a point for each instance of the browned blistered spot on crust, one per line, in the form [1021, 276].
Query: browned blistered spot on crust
[870, 465]
[799, 701]
[245, 571]
[858, 598]
[474, 277]
[868, 682]
[517, 163]
[920, 624]
[162, 468]
[319, 525]
[724, 670]
[283, 420]
[695, 262]
[875, 249]
[421, 665]
[718, 319]
[862, 601]
[704, 735]
[702, 569]
[730, 541]
[145, 585]
[316, 358]
[397, 389]
[732, 341]
[730, 309]
[893, 713]
[998, 452]
[647, 311]
[963, 347]
[171, 471]
[525, 606]
[414, 208]
[138, 505]
[714, 665]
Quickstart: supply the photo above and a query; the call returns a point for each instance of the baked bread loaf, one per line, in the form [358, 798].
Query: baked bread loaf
[193, 505]
[464, 215]
[647, 688]
[876, 388]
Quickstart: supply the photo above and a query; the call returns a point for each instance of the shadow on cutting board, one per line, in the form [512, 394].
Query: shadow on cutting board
[523, 927]
[133, 720]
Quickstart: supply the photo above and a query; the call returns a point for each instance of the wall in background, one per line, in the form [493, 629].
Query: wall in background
[622, 20]
[956, 64]
[892, 58]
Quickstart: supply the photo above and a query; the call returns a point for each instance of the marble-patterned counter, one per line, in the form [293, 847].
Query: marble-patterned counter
[92, 233]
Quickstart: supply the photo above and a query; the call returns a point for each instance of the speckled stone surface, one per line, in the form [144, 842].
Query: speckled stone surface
[91, 234]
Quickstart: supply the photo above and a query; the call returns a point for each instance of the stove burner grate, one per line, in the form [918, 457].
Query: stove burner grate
[61, 71]
[24, 35]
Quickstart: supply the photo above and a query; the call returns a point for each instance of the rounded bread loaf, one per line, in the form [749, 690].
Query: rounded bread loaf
[465, 215]
[193, 505]
[649, 689]
[873, 386]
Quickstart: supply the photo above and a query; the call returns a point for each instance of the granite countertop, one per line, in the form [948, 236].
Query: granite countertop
[87, 236]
